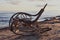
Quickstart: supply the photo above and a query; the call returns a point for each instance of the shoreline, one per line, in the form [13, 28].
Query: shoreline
[6, 34]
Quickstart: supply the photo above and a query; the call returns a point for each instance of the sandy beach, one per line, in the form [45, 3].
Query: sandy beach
[54, 34]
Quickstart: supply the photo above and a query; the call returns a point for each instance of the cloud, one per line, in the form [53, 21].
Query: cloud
[39, 5]
[13, 2]
[37, 0]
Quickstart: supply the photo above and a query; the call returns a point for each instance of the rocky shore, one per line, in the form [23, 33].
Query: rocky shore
[54, 34]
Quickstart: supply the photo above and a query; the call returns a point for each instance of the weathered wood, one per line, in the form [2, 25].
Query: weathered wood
[21, 23]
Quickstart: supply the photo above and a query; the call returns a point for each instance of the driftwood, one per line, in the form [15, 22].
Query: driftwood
[22, 22]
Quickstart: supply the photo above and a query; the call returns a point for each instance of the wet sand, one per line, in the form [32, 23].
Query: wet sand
[54, 34]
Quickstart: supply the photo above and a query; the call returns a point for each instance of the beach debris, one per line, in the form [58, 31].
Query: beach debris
[22, 22]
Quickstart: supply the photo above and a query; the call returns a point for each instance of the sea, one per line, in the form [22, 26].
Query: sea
[5, 17]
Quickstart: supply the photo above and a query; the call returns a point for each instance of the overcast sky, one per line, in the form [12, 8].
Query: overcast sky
[29, 5]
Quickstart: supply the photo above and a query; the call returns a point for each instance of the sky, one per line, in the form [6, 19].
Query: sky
[30, 5]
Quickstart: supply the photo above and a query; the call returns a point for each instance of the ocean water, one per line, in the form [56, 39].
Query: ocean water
[5, 17]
